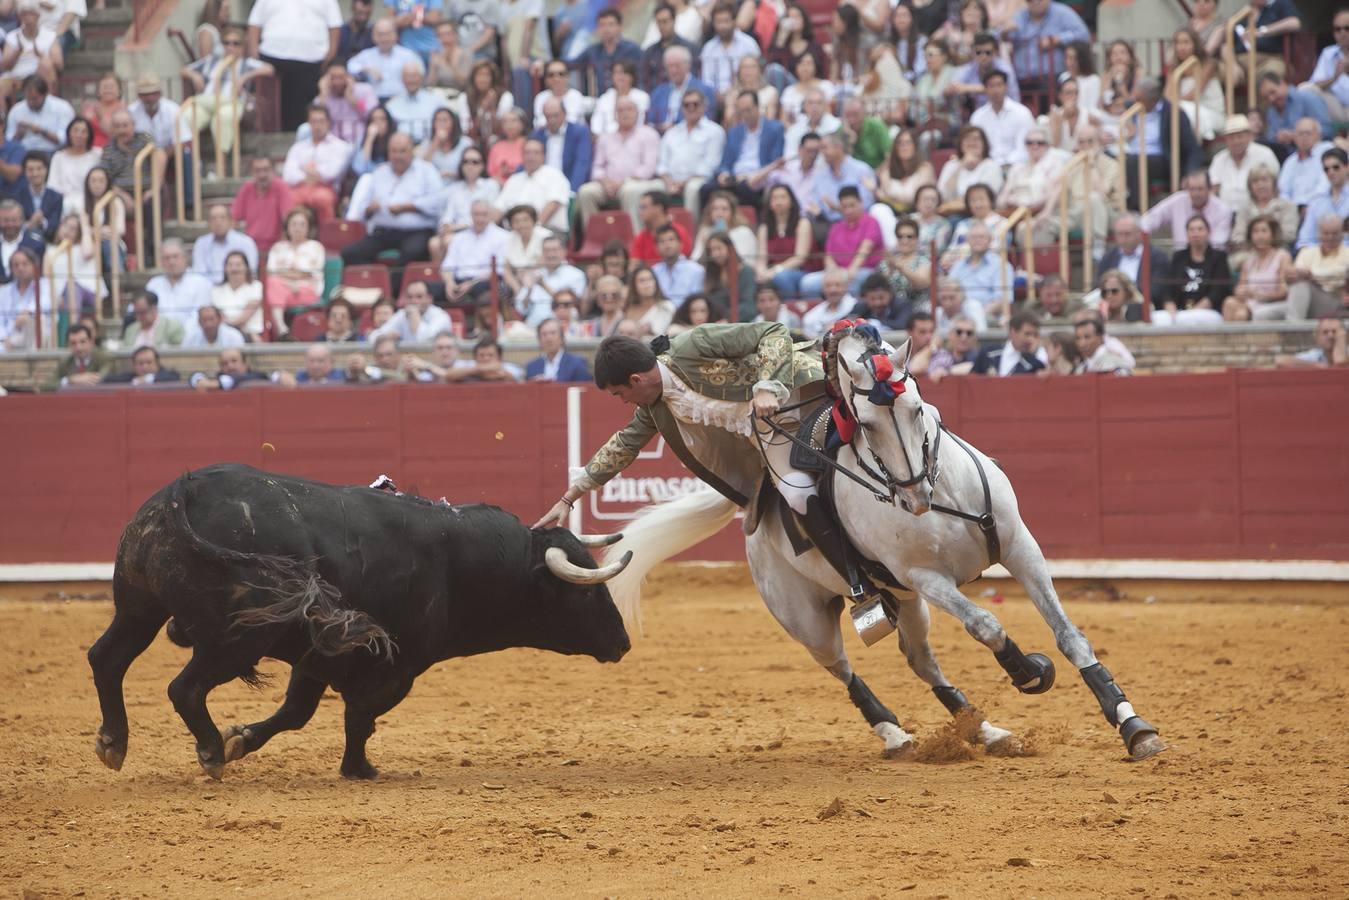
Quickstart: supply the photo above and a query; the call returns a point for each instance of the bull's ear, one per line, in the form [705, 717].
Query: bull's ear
[900, 358]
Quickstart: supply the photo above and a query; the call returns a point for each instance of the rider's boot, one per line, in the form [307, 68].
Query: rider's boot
[829, 538]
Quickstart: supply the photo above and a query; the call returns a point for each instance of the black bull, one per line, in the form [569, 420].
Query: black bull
[355, 588]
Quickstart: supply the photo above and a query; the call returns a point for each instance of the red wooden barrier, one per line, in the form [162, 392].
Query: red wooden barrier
[1237, 465]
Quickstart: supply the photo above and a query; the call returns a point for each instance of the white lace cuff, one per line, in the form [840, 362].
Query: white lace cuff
[582, 481]
[778, 389]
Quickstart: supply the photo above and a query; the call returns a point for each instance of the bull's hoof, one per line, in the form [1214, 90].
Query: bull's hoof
[236, 742]
[215, 768]
[111, 752]
[1043, 680]
[361, 771]
[1141, 739]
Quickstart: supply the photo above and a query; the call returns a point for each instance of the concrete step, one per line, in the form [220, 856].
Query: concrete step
[184, 231]
[273, 144]
[100, 43]
[85, 59]
[221, 188]
[115, 14]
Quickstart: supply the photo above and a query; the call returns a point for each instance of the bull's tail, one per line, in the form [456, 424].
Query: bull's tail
[301, 595]
[657, 533]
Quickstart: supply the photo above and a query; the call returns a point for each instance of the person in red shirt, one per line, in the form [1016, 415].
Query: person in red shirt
[654, 211]
[261, 205]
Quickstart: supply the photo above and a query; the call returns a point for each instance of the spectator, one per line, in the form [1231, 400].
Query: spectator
[238, 297]
[881, 306]
[507, 152]
[150, 329]
[349, 102]
[753, 149]
[489, 366]
[418, 321]
[932, 105]
[381, 311]
[689, 154]
[146, 368]
[979, 207]
[1194, 199]
[541, 285]
[652, 215]
[604, 119]
[472, 185]
[472, 256]
[119, 163]
[815, 119]
[341, 321]
[261, 203]
[355, 35]
[210, 330]
[1020, 355]
[625, 160]
[1319, 271]
[721, 215]
[554, 363]
[1122, 76]
[382, 66]
[1274, 19]
[156, 116]
[449, 65]
[909, 40]
[899, 177]
[1096, 356]
[836, 304]
[1262, 289]
[969, 81]
[1232, 166]
[1120, 300]
[1265, 201]
[1301, 177]
[694, 311]
[488, 103]
[40, 121]
[728, 279]
[883, 101]
[100, 108]
[233, 369]
[567, 146]
[180, 292]
[721, 55]
[98, 184]
[768, 303]
[575, 105]
[294, 270]
[609, 49]
[1039, 32]
[1004, 121]
[387, 363]
[296, 37]
[1127, 254]
[1328, 350]
[801, 175]
[667, 98]
[960, 350]
[11, 161]
[219, 101]
[211, 249]
[567, 311]
[1157, 140]
[785, 242]
[404, 210]
[21, 305]
[315, 166]
[677, 275]
[540, 187]
[839, 172]
[952, 304]
[86, 365]
[1333, 201]
[970, 166]
[1030, 181]
[934, 230]
[71, 164]
[1052, 304]
[985, 276]
[906, 269]
[1282, 105]
[1102, 181]
[793, 39]
[28, 50]
[609, 298]
[414, 107]
[1067, 115]
[853, 246]
[1330, 78]
[524, 247]
[72, 275]
[41, 205]
[318, 369]
[444, 367]
[664, 34]
[15, 235]
[650, 309]
[1198, 280]
[1062, 355]
[922, 343]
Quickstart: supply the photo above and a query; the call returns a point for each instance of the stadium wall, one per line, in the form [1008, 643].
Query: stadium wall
[1243, 465]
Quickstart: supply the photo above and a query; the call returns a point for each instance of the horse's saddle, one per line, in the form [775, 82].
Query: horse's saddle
[816, 432]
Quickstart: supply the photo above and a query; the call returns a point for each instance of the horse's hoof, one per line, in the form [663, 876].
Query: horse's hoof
[109, 753]
[214, 768]
[1146, 746]
[361, 772]
[898, 743]
[1044, 680]
[236, 742]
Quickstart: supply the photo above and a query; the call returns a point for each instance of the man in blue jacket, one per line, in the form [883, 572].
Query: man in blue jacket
[666, 107]
[555, 363]
[753, 147]
[567, 144]
[41, 205]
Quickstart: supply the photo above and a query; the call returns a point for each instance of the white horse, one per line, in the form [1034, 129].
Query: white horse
[918, 535]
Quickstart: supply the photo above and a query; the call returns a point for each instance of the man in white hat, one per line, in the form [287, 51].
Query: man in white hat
[154, 115]
[1231, 167]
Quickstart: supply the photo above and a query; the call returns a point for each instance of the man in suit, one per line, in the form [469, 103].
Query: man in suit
[567, 144]
[86, 365]
[753, 148]
[1157, 139]
[14, 234]
[1021, 355]
[145, 369]
[651, 72]
[41, 205]
[667, 99]
[150, 328]
[554, 363]
[1127, 254]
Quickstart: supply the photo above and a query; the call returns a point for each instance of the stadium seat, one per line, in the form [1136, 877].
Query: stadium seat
[309, 325]
[939, 158]
[365, 280]
[684, 217]
[414, 272]
[457, 321]
[602, 228]
[339, 233]
[750, 215]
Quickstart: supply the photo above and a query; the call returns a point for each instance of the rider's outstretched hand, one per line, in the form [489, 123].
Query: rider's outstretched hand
[765, 404]
[555, 517]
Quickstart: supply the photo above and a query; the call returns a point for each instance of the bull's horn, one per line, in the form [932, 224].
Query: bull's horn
[599, 540]
[567, 570]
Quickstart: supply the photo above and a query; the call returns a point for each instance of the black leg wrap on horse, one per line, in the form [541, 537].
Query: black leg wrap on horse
[872, 709]
[1108, 694]
[1132, 728]
[1033, 674]
[951, 698]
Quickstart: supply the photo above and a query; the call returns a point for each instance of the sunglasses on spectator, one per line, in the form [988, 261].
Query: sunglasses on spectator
[1036, 142]
[963, 332]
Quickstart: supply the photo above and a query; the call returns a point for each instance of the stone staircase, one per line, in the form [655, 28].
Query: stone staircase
[95, 56]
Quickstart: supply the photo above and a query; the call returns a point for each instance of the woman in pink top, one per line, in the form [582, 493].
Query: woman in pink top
[294, 269]
[1263, 275]
[854, 245]
[507, 151]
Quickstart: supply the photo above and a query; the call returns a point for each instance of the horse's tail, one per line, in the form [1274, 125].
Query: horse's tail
[655, 534]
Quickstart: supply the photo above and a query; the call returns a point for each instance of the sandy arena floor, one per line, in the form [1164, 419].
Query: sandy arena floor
[700, 766]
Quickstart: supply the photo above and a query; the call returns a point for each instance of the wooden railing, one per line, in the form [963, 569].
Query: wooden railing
[1173, 94]
[138, 193]
[1137, 113]
[72, 294]
[188, 107]
[220, 126]
[1019, 215]
[98, 219]
[1082, 160]
[1248, 14]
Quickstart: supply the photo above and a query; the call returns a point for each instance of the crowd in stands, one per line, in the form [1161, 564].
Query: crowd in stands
[513, 175]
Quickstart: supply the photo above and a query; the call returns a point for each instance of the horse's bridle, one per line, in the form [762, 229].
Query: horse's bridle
[929, 471]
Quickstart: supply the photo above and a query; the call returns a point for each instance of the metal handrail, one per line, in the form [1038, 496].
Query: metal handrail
[138, 191]
[188, 105]
[1134, 112]
[233, 124]
[1249, 14]
[97, 222]
[72, 299]
[1173, 93]
[1021, 213]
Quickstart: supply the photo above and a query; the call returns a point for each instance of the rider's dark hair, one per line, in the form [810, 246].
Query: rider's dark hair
[619, 358]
